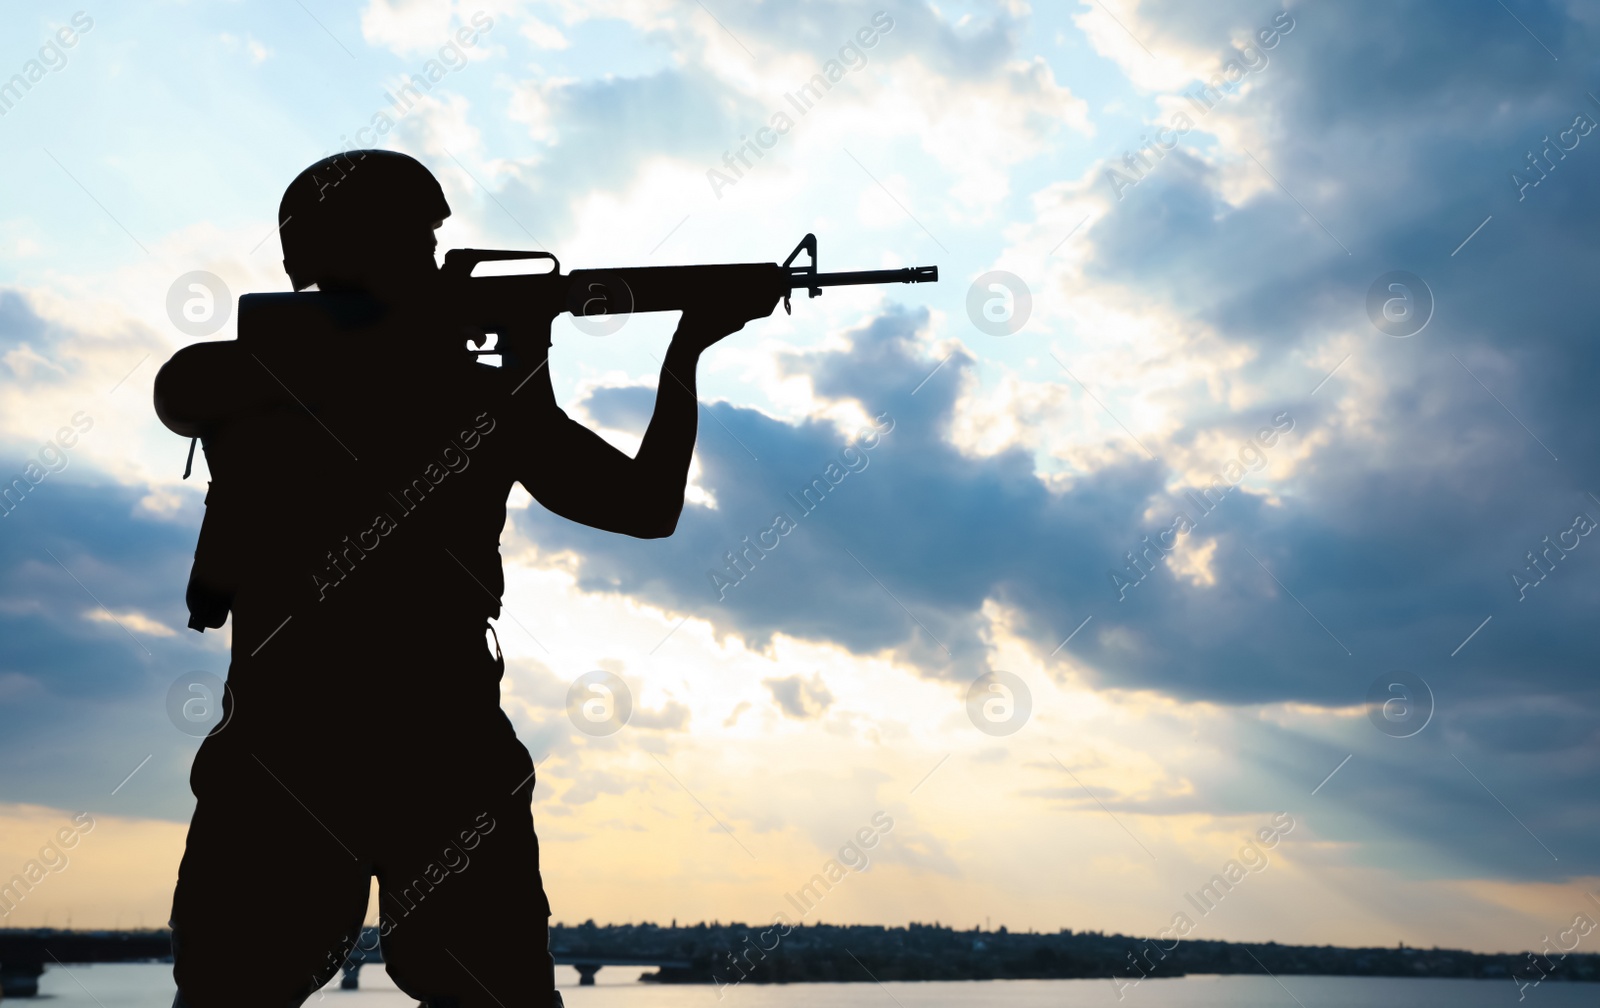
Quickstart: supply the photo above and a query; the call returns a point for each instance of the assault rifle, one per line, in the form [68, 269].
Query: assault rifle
[498, 303]
[509, 306]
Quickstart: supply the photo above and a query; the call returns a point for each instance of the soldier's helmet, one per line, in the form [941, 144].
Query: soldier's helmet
[357, 211]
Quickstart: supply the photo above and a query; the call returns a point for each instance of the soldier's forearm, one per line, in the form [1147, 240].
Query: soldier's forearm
[668, 444]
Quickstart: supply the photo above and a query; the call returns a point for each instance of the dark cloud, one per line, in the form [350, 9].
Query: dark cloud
[1398, 126]
[798, 697]
[672, 716]
[903, 553]
[85, 699]
[605, 130]
[19, 324]
[1393, 541]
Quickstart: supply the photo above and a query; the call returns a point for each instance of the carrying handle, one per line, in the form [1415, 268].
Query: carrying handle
[461, 262]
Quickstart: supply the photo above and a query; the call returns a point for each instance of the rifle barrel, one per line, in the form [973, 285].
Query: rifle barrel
[915, 274]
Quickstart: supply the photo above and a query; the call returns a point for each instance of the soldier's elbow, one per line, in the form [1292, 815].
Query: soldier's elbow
[657, 529]
[662, 523]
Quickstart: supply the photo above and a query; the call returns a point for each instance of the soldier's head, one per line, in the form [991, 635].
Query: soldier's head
[362, 220]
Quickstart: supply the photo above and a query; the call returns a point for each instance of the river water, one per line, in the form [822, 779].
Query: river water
[150, 986]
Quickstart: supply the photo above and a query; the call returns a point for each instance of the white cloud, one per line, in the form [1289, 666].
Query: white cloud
[447, 30]
[257, 52]
[543, 35]
[137, 622]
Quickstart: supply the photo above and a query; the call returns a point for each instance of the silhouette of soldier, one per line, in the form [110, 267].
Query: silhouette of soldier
[361, 461]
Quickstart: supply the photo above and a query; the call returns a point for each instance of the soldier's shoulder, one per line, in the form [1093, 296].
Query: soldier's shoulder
[197, 363]
[210, 351]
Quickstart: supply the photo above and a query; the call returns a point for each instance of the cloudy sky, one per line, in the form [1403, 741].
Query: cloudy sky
[1147, 289]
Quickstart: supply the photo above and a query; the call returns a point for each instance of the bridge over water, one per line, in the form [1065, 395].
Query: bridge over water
[24, 954]
[369, 950]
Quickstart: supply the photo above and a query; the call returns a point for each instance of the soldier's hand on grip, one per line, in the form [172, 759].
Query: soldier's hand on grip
[722, 314]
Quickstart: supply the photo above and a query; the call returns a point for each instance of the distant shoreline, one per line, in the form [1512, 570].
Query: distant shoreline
[734, 953]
